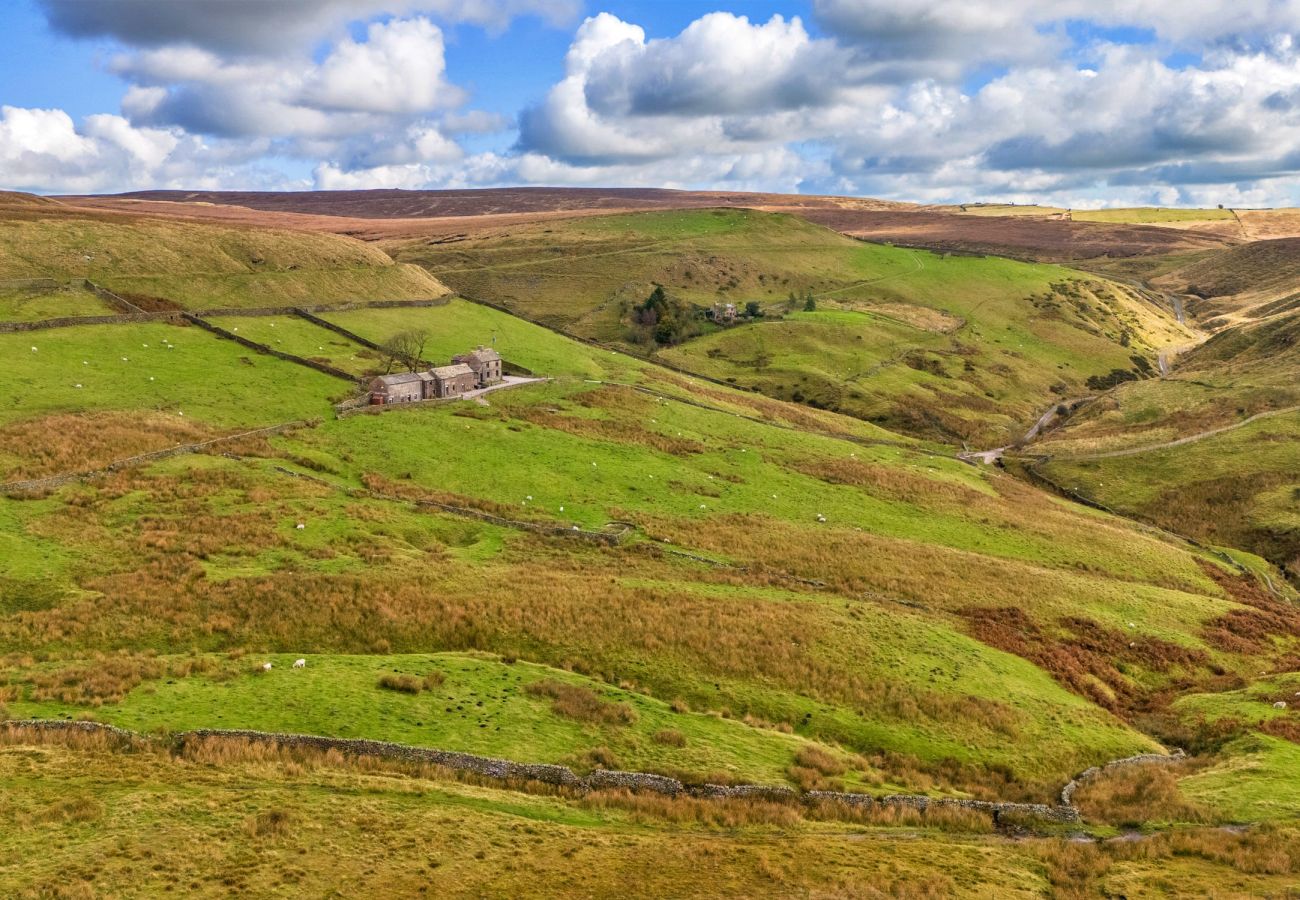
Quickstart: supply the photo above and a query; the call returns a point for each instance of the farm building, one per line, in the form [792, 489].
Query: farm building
[453, 380]
[404, 388]
[724, 312]
[486, 364]
[477, 369]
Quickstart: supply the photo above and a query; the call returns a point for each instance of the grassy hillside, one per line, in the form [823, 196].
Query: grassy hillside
[949, 347]
[1240, 285]
[796, 597]
[227, 819]
[157, 264]
[1150, 215]
[1211, 451]
[866, 596]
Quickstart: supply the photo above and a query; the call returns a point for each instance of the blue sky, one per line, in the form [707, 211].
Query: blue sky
[1076, 102]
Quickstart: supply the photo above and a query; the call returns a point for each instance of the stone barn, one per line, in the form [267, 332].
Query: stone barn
[406, 387]
[453, 381]
[486, 364]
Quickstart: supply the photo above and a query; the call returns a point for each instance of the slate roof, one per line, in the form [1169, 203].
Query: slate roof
[452, 371]
[403, 378]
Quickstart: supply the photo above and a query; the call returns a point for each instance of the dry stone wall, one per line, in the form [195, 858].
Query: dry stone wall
[54, 481]
[1067, 792]
[269, 351]
[563, 776]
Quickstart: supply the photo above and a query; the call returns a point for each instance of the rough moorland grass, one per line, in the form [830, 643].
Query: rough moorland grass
[481, 705]
[203, 266]
[212, 829]
[1149, 215]
[88, 820]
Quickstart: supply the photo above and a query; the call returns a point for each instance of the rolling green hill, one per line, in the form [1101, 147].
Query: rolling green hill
[48, 251]
[863, 594]
[624, 566]
[955, 348]
[1211, 451]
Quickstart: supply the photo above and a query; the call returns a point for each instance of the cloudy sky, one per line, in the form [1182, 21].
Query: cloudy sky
[1075, 102]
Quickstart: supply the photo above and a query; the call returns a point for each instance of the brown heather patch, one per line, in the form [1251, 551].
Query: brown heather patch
[574, 701]
[80, 442]
[1286, 728]
[1078, 870]
[1252, 630]
[1131, 796]
[108, 680]
[1088, 659]
[615, 430]
[892, 481]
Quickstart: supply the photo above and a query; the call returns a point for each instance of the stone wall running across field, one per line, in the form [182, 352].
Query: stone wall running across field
[563, 776]
[269, 351]
[1067, 792]
[175, 315]
[53, 481]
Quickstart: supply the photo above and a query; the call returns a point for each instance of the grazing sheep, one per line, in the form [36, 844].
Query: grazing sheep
[1281, 704]
[821, 518]
[300, 663]
[266, 667]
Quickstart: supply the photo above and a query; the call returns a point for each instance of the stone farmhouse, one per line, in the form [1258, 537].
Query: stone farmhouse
[478, 369]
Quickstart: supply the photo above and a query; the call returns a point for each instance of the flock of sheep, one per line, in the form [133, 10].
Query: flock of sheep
[297, 664]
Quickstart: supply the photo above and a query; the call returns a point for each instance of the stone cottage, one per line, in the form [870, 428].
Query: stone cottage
[477, 369]
[406, 387]
[453, 381]
[486, 364]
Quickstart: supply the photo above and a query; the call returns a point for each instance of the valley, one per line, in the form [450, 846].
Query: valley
[734, 534]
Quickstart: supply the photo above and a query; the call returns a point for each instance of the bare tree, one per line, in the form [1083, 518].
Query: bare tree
[405, 348]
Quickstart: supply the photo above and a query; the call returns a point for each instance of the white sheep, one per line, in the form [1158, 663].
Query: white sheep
[821, 518]
[1281, 704]
[266, 667]
[300, 663]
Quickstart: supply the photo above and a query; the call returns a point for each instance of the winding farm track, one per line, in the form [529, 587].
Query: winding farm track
[1178, 442]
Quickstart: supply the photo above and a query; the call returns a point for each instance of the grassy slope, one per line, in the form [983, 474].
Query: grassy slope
[366, 575]
[114, 365]
[28, 300]
[159, 263]
[204, 552]
[291, 334]
[78, 821]
[1150, 215]
[944, 346]
[1236, 488]
[483, 707]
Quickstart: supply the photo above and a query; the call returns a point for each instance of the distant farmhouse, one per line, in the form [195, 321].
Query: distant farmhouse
[478, 369]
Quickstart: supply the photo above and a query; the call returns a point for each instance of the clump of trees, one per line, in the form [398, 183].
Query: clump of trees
[807, 300]
[665, 320]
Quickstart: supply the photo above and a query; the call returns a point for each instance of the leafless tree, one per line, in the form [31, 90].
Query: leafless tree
[406, 348]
